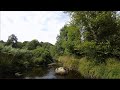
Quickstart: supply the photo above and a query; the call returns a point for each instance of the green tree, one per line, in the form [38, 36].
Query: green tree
[33, 44]
[12, 40]
[68, 39]
[19, 45]
[61, 41]
[24, 44]
[42, 56]
[2, 42]
[100, 27]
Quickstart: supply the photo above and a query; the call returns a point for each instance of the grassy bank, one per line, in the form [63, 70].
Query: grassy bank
[91, 69]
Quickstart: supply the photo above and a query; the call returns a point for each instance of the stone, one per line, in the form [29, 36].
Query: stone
[61, 71]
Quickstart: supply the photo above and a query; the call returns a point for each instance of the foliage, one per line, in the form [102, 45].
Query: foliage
[32, 45]
[12, 40]
[93, 34]
[69, 62]
[69, 37]
[24, 55]
[89, 68]
[108, 70]
[90, 43]
[42, 56]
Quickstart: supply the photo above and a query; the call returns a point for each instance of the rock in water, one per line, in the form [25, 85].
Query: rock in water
[61, 71]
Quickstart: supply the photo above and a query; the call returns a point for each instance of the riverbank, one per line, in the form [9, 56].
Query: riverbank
[91, 69]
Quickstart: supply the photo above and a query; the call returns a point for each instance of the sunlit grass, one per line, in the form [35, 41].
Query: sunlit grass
[91, 69]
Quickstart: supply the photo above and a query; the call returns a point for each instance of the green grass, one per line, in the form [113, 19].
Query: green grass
[91, 69]
[70, 62]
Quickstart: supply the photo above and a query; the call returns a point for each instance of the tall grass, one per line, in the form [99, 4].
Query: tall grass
[69, 62]
[89, 68]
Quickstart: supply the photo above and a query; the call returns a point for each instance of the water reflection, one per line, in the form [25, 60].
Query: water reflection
[49, 73]
[42, 73]
[35, 73]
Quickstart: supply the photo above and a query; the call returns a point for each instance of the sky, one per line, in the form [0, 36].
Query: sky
[28, 25]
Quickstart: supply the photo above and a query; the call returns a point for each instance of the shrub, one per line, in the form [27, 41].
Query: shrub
[42, 56]
[93, 50]
[69, 62]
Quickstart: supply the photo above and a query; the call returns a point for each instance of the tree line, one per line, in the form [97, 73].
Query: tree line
[18, 56]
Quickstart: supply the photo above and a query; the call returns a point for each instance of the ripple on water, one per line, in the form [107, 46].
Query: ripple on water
[51, 75]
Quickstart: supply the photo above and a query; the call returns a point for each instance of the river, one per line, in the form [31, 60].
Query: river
[44, 73]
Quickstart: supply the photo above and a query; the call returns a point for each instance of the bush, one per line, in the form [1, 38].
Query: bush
[42, 56]
[38, 61]
[93, 50]
[69, 62]
[1, 46]
[23, 59]
[15, 59]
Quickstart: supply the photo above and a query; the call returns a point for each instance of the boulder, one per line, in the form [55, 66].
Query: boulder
[61, 71]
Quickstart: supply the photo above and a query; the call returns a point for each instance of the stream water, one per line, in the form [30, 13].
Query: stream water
[43, 73]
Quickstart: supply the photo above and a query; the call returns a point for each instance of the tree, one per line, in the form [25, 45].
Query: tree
[42, 56]
[24, 44]
[2, 42]
[12, 40]
[99, 27]
[68, 39]
[19, 45]
[61, 40]
[33, 44]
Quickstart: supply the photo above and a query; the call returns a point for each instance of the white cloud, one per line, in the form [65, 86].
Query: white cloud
[29, 25]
